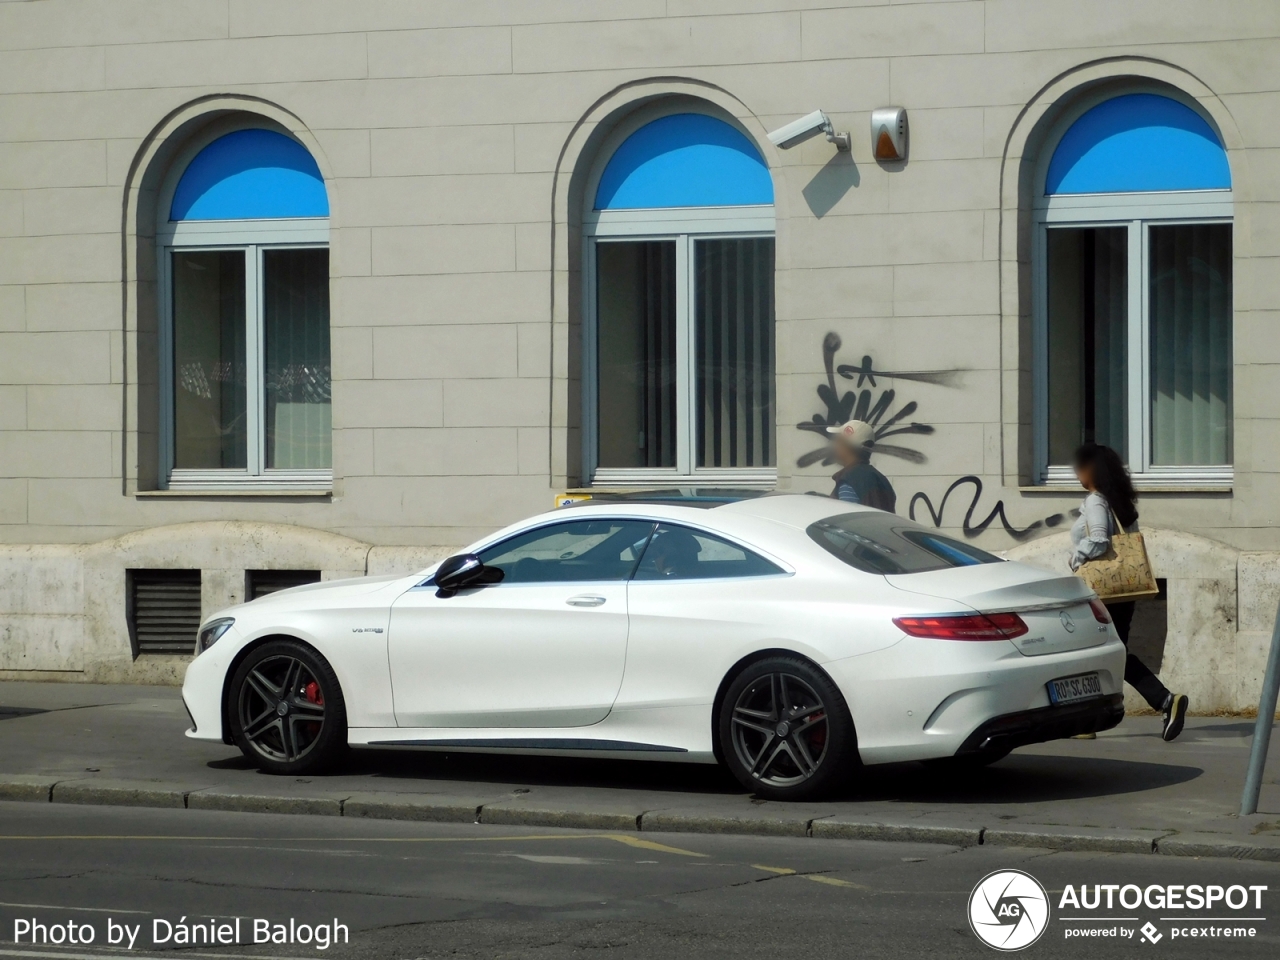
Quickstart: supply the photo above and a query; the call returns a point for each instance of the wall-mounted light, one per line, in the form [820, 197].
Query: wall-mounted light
[798, 131]
[889, 133]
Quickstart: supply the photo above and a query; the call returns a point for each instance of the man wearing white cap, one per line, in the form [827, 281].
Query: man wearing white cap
[858, 481]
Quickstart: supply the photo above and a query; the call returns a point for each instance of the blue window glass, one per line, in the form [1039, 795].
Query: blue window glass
[684, 160]
[1137, 143]
[250, 175]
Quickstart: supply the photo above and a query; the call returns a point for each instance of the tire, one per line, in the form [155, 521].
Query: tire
[785, 731]
[286, 709]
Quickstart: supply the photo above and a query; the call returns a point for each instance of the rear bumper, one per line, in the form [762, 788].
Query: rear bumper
[921, 699]
[1003, 733]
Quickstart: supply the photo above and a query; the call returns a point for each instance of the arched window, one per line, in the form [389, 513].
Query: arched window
[1133, 291]
[680, 332]
[244, 267]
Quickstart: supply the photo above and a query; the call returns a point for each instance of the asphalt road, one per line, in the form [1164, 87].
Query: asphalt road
[1128, 781]
[420, 890]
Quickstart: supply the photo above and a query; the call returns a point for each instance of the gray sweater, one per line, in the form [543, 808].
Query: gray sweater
[1091, 533]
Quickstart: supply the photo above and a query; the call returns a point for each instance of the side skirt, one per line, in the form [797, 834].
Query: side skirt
[535, 743]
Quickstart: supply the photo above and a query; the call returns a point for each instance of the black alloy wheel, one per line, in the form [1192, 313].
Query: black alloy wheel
[785, 730]
[288, 715]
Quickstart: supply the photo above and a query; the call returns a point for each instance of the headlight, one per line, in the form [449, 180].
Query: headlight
[210, 633]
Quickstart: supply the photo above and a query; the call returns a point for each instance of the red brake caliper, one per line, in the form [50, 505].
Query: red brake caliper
[312, 692]
[819, 736]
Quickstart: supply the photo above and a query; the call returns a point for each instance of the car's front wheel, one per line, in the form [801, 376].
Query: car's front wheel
[286, 709]
[785, 730]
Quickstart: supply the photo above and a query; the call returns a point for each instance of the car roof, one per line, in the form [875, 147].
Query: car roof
[789, 509]
[794, 510]
[773, 524]
[692, 496]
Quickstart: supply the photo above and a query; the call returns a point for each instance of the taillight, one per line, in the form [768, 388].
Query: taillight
[964, 626]
[1100, 611]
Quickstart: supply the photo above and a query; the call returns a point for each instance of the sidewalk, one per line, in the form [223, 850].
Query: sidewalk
[1127, 791]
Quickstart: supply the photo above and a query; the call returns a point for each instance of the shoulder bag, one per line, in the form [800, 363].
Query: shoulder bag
[1124, 571]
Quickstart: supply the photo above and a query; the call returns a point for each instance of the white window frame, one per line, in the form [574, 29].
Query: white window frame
[1137, 212]
[253, 237]
[685, 226]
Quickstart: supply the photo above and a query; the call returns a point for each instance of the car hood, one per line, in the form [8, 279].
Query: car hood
[353, 586]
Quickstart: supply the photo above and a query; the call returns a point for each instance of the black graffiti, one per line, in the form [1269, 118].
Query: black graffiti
[858, 404]
[970, 528]
[866, 371]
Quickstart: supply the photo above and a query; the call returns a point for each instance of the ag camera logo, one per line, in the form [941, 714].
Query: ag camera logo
[1008, 910]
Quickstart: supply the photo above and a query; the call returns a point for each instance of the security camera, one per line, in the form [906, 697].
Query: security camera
[798, 131]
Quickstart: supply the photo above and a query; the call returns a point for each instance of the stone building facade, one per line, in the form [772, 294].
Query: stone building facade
[1081, 241]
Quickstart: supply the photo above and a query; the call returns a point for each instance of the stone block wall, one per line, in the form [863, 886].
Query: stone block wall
[63, 607]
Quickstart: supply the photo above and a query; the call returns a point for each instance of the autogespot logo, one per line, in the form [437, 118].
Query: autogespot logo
[1008, 910]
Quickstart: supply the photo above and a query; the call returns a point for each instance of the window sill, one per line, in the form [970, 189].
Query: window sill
[1143, 488]
[627, 479]
[238, 490]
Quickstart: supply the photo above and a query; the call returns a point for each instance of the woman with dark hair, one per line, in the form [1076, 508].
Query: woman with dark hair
[1112, 499]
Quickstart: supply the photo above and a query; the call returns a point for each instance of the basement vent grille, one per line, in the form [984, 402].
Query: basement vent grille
[262, 582]
[164, 611]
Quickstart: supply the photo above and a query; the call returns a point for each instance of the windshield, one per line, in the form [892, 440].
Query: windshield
[878, 542]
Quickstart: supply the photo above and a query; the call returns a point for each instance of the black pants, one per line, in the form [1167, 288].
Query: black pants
[1136, 673]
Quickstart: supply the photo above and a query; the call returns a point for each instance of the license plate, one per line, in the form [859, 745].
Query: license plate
[1069, 689]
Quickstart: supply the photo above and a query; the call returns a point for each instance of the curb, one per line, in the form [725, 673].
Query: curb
[502, 811]
[1209, 845]
[393, 806]
[834, 828]
[248, 803]
[27, 789]
[674, 822]
[1076, 838]
[118, 793]
[511, 815]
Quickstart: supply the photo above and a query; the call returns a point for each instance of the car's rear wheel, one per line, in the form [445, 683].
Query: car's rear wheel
[785, 730]
[286, 708]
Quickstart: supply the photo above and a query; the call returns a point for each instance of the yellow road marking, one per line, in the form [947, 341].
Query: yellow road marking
[54, 906]
[617, 837]
[650, 845]
[833, 882]
[623, 838]
[815, 877]
[112, 837]
[109, 953]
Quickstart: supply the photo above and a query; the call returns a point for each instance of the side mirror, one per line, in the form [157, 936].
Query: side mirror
[464, 570]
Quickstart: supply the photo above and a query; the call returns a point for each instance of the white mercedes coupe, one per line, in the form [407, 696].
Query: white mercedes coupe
[795, 639]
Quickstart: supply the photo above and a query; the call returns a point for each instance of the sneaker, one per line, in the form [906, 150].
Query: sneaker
[1175, 712]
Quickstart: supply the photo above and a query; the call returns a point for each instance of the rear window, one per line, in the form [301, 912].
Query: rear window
[877, 542]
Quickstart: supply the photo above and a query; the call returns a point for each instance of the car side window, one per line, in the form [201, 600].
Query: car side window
[681, 553]
[572, 551]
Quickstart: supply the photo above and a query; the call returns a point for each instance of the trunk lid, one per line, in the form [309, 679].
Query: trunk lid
[1055, 608]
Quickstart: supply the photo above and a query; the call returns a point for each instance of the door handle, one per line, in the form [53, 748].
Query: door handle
[585, 600]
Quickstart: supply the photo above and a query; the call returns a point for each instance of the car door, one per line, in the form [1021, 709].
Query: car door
[696, 603]
[545, 647]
